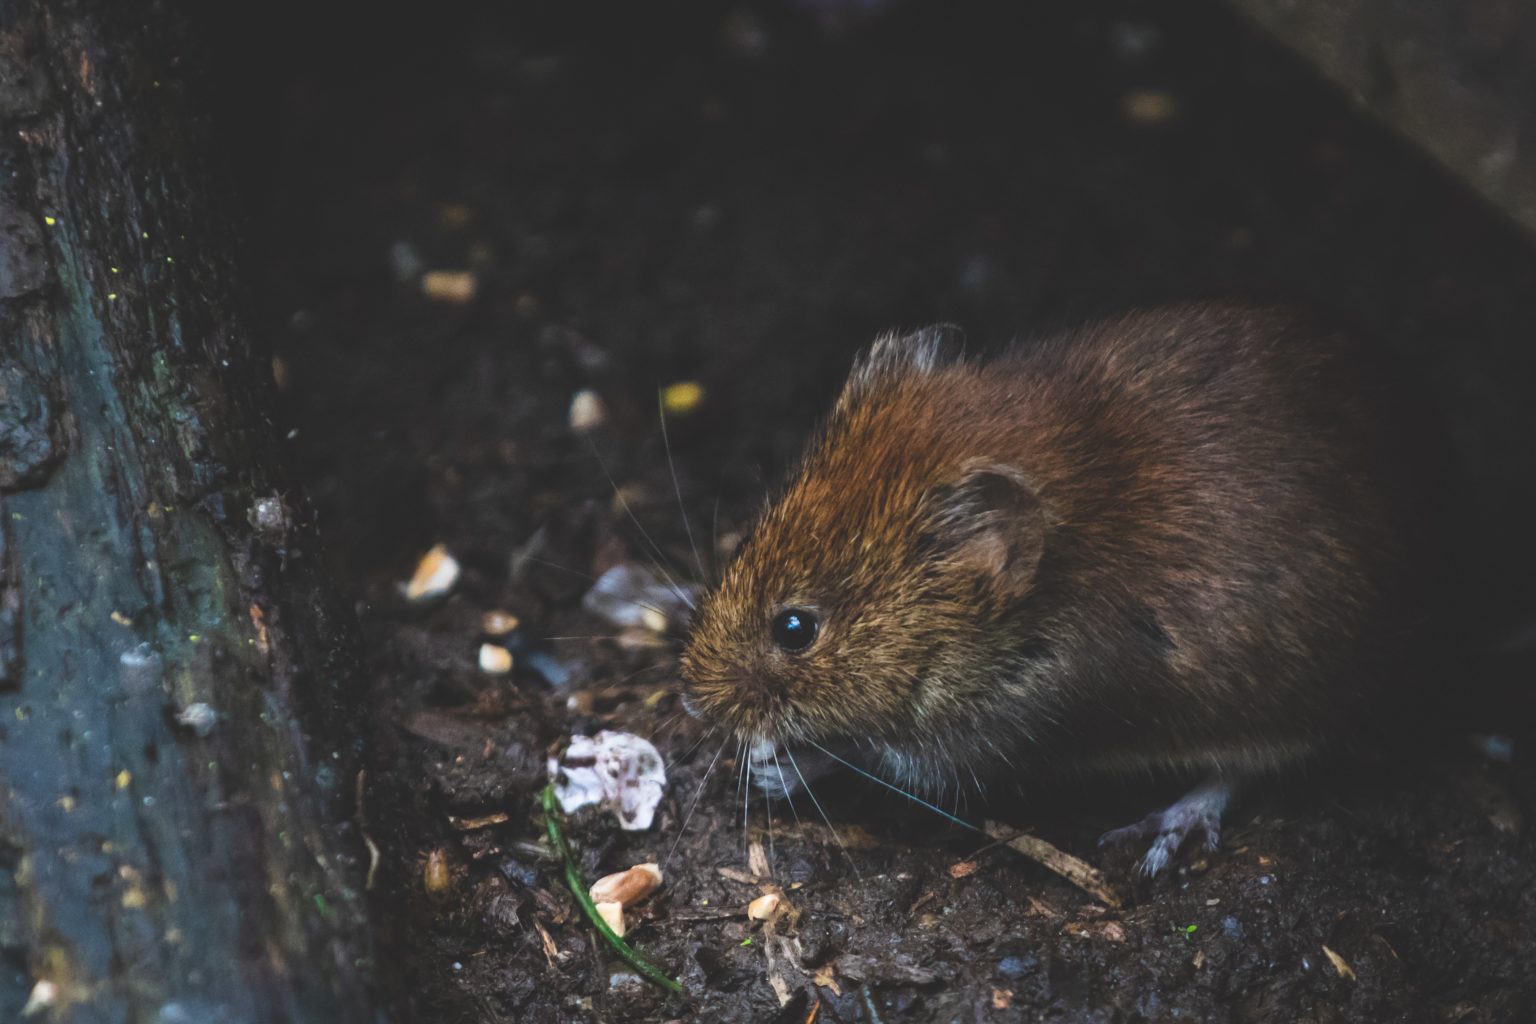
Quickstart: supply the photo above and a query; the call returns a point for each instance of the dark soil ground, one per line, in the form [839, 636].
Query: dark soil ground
[742, 197]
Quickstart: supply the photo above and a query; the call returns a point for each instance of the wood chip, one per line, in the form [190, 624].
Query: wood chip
[1340, 964]
[474, 824]
[1074, 869]
[1109, 931]
[689, 915]
[737, 875]
[757, 860]
[551, 951]
[963, 869]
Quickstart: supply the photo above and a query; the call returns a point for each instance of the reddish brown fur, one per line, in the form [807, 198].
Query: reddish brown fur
[1164, 540]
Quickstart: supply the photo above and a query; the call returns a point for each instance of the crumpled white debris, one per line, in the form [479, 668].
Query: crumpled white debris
[618, 770]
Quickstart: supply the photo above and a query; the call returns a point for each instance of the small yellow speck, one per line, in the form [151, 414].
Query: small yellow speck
[682, 397]
[50, 221]
[169, 260]
[195, 638]
[121, 619]
[111, 296]
[124, 778]
[134, 898]
[67, 803]
[112, 269]
[144, 234]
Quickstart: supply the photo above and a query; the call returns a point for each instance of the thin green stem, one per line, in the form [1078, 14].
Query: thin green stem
[647, 970]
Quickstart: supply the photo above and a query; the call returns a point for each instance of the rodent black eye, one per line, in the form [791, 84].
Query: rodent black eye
[794, 629]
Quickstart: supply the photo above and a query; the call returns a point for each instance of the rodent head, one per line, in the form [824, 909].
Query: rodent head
[864, 603]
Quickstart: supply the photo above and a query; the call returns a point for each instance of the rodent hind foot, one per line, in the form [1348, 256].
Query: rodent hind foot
[1199, 810]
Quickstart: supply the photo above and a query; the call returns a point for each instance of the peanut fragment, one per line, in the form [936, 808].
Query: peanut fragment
[627, 887]
[762, 908]
[612, 914]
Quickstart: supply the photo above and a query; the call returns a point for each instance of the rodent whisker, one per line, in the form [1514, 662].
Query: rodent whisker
[890, 786]
[784, 785]
[768, 811]
[817, 804]
[592, 579]
[666, 443]
[693, 806]
[657, 556]
[742, 756]
[680, 758]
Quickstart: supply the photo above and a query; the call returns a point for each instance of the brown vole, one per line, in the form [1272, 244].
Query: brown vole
[1164, 542]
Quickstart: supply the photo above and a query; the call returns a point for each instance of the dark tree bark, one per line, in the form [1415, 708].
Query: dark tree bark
[177, 773]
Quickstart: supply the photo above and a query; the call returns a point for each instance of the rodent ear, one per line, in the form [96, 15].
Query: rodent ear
[894, 355]
[991, 519]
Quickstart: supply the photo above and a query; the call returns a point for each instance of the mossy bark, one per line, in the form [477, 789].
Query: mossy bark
[177, 764]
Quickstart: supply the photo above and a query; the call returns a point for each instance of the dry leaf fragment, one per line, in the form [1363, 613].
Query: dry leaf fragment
[963, 869]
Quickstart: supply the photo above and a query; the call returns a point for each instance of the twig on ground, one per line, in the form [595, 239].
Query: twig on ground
[1074, 869]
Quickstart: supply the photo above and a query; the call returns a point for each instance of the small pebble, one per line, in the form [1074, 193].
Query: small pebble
[455, 286]
[404, 261]
[495, 660]
[199, 717]
[498, 623]
[44, 994]
[435, 575]
[587, 412]
[436, 876]
[1149, 106]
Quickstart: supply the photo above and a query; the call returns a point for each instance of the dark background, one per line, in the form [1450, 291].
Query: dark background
[743, 196]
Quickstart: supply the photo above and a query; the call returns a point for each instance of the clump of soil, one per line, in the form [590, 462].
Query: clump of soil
[488, 213]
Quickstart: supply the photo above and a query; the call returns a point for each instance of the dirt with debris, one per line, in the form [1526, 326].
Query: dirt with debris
[633, 196]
